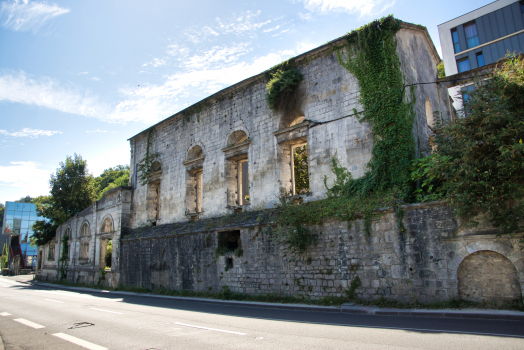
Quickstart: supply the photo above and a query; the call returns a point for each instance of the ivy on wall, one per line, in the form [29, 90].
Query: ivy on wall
[370, 55]
[146, 165]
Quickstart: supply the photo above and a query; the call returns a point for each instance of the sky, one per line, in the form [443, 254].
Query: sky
[84, 76]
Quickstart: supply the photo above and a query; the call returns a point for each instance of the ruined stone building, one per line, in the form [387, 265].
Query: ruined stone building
[231, 154]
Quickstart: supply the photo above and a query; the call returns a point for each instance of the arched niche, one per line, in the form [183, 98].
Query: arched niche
[107, 225]
[486, 275]
[291, 119]
[236, 138]
[195, 152]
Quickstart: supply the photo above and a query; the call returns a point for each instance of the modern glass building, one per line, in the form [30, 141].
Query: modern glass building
[18, 221]
[481, 37]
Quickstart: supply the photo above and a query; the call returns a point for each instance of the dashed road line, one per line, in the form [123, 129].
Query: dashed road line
[29, 323]
[5, 314]
[113, 312]
[54, 301]
[209, 329]
[79, 341]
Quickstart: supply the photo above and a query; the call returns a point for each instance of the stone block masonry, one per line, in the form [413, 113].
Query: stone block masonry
[428, 263]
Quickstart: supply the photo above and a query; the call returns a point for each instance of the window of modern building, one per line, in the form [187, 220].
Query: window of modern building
[463, 65]
[472, 36]
[480, 59]
[455, 36]
[465, 92]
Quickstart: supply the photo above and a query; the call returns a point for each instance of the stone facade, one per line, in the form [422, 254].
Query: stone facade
[434, 260]
[237, 125]
[236, 155]
[89, 232]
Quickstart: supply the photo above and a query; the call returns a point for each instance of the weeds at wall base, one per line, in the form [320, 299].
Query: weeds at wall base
[227, 294]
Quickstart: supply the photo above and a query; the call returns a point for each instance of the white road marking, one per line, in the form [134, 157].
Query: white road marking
[79, 341]
[29, 323]
[209, 329]
[113, 312]
[5, 314]
[54, 301]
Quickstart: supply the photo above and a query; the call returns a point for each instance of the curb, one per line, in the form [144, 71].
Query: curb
[351, 309]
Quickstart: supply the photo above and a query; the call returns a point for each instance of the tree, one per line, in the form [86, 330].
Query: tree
[72, 190]
[111, 178]
[479, 159]
[26, 199]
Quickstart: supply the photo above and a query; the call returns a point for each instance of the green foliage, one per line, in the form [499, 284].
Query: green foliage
[372, 58]
[64, 258]
[239, 252]
[72, 190]
[282, 83]
[355, 284]
[428, 182]
[228, 242]
[26, 199]
[441, 72]
[146, 165]
[479, 159]
[3, 257]
[109, 253]
[301, 170]
[112, 178]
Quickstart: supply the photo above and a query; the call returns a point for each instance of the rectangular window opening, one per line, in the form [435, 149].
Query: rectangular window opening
[84, 250]
[455, 37]
[228, 242]
[153, 201]
[472, 37]
[243, 182]
[194, 192]
[51, 253]
[480, 59]
[300, 169]
[463, 65]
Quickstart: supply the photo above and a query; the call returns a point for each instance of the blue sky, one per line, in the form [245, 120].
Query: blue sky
[83, 76]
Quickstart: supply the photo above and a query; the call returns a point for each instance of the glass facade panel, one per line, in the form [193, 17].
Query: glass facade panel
[463, 65]
[10, 215]
[455, 37]
[25, 215]
[19, 206]
[472, 37]
[8, 226]
[10, 206]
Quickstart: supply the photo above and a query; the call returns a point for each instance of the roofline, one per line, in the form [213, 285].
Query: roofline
[467, 13]
[297, 59]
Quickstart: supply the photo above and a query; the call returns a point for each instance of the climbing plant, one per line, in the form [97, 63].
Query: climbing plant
[145, 166]
[370, 55]
[283, 80]
[300, 169]
[64, 257]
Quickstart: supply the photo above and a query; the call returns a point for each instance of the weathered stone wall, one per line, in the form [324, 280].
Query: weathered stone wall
[486, 275]
[421, 264]
[116, 205]
[328, 93]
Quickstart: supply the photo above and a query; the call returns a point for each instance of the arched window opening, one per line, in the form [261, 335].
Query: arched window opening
[84, 230]
[107, 225]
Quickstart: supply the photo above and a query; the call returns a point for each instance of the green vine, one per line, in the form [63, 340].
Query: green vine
[64, 258]
[370, 55]
[145, 166]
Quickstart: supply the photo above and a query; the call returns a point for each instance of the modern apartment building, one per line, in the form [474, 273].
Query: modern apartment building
[481, 37]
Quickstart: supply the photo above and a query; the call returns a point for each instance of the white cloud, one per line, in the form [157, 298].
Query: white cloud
[270, 29]
[95, 79]
[48, 93]
[97, 130]
[23, 178]
[23, 15]
[243, 23]
[217, 54]
[82, 73]
[361, 7]
[32, 133]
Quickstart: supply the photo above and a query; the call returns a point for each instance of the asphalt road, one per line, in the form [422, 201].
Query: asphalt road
[34, 317]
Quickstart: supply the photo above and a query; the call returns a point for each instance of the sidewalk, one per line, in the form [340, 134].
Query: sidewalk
[347, 307]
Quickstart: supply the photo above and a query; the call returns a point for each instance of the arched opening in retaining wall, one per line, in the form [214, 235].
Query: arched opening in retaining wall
[488, 276]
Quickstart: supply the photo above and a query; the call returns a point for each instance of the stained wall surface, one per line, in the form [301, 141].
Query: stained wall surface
[421, 264]
[326, 98]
